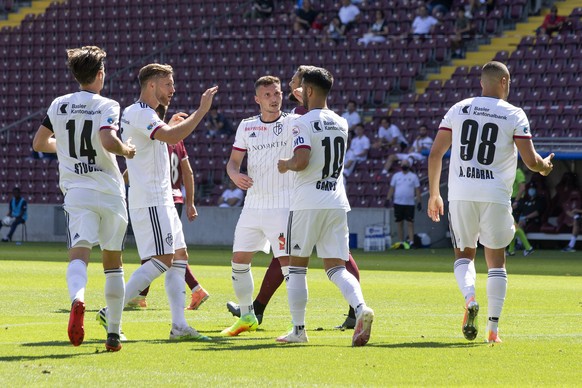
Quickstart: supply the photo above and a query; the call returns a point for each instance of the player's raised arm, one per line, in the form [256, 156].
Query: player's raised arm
[172, 135]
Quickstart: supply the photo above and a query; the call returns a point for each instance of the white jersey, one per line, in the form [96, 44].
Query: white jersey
[149, 170]
[483, 151]
[405, 185]
[320, 184]
[76, 120]
[265, 143]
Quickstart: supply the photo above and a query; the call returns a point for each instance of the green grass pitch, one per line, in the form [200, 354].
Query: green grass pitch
[416, 336]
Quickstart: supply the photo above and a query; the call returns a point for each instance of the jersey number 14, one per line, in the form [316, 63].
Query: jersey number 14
[86, 147]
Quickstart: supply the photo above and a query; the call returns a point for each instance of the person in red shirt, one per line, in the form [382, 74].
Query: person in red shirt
[552, 23]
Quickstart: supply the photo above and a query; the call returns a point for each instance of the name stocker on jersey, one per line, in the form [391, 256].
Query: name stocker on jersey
[265, 143]
[483, 153]
[76, 120]
[320, 185]
[149, 170]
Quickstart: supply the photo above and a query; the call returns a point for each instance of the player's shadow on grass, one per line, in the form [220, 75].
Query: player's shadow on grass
[429, 344]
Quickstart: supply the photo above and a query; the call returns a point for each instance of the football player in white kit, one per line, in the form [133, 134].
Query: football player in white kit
[156, 225]
[273, 277]
[265, 139]
[484, 134]
[84, 125]
[319, 206]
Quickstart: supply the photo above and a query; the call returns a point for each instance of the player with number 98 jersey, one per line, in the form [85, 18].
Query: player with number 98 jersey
[320, 185]
[482, 167]
[76, 119]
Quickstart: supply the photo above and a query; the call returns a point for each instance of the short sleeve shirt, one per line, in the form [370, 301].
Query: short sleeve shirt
[149, 170]
[483, 152]
[405, 186]
[76, 120]
[320, 185]
[265, 143]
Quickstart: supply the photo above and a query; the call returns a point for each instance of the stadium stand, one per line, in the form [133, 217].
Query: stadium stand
[211, 43]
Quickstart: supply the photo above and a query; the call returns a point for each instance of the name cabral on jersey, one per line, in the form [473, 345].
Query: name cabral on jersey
[477, 173]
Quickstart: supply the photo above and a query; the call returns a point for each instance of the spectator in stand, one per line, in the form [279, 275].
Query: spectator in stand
[552, 23]
[463, 32]
[305, 17]
[378, 30]
[351, 115]
[438, 8]
[358, 151]
[531, 208]
[217, 124]
[423, 23]
[349, 14]
[422, 143]
[231, 197]
[404, 188]
[389, 135]
[17, 213]
[334, 31]
[261, 9]
[471, 7]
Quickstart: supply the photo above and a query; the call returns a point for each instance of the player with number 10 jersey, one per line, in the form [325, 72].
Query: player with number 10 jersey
[320, 185]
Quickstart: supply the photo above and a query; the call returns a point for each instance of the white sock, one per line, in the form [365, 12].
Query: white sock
[572, 242]
[143, 277]
[77, 279]
[114, 294]
[348, 285]
[244, 286]
[466, 275]
[297, 294]
[285, 271]
[496, 291]
[176, 292]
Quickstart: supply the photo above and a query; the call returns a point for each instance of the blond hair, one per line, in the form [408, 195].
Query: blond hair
[153, 70]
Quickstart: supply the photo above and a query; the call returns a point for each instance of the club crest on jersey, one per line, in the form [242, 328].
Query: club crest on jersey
[63, 108]
[466, 110]
[169, 239]
[316, 126]
[278, 129]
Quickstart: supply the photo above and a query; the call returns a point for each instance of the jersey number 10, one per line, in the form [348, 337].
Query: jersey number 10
[337, 153]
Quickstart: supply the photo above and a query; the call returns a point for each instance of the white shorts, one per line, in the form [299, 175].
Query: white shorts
[257, 229]
[490, 223]
[325, 229]
[95, 218]
[157, 230]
